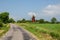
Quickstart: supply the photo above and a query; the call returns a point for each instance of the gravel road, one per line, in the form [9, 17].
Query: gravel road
[17, 33]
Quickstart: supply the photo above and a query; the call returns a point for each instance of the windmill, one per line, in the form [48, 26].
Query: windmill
[33, 18]
[33, 15]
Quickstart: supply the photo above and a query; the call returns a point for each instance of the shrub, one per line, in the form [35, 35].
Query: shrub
[54, 35]
[43, 31]
[1, 24]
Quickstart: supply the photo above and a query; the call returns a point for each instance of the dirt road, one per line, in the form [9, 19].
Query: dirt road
[17, 33]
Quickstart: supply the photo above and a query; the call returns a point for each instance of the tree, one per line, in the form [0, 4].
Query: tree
[47, 22]
[18, 21]
[23, 20]
[53, 20]
[57, 22]
[11, 20]
[4, 16]
[41, 21]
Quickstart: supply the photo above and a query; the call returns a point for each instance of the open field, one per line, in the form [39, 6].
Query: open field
[4, 29]
[43, 31]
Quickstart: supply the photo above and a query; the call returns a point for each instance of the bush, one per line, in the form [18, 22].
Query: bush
[54, 35]
[1, 24]
[42, 31]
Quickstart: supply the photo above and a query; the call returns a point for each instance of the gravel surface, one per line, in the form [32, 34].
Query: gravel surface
[17, 33]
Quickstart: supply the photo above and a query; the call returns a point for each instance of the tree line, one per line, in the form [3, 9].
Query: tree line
[4, 18]
[53, 21]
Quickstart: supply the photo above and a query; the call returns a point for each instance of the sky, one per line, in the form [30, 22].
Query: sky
[42, 9]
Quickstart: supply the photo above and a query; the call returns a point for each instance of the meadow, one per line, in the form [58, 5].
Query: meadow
[43, 31]
[4, 29]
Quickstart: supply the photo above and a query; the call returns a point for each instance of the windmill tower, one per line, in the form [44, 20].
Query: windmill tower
[33, 18]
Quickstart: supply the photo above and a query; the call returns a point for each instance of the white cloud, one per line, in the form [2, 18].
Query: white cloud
[31, 14]
[47, 13]
[52, 10]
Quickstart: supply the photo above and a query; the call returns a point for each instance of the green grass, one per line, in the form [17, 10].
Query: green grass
[5, 28]
[52, 29]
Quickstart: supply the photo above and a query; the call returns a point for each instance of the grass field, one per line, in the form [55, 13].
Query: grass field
[4, 29]
[43, 31]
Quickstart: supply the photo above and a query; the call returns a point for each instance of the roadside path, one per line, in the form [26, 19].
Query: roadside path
[17, 33]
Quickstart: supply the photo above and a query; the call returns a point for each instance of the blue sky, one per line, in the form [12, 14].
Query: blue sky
[19, 9]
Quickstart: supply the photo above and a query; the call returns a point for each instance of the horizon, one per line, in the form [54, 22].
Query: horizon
[42, 9]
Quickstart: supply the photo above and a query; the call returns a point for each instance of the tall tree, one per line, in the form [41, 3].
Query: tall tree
[4, 16]
[53, 20]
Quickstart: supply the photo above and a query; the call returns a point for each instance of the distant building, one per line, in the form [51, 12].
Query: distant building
[33, 18]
